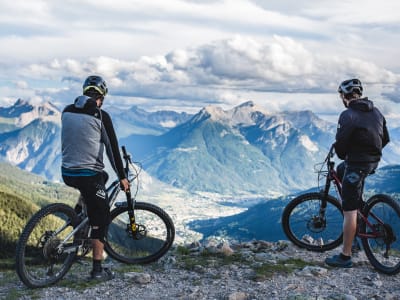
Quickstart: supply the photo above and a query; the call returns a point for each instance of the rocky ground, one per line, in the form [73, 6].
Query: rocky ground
[253, 270]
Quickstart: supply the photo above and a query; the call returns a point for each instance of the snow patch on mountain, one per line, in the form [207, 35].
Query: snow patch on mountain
[46, 112]
[19, 153]
[308, 144]
[168, 124]
[189, 149]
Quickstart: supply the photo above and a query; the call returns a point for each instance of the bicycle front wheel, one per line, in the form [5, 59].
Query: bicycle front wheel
[309, 227]
[382, 241]
[39, 262]
[153, 238]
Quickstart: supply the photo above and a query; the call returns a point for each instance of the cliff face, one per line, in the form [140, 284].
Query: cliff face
[218, 270]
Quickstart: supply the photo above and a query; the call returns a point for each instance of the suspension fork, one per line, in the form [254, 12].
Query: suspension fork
[131, 212]
[325, 193]
[331, 177]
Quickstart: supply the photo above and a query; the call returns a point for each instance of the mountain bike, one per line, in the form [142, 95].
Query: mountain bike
[314, 221]
[56, 235]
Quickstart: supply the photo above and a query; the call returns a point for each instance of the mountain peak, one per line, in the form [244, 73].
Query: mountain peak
[245, 113]
[25, 112]
[20, 102]
[19, 107]
[246, 104]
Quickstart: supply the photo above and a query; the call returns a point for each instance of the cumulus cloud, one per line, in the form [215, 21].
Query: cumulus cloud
[393, 94]
[187, 53]
[216, 72]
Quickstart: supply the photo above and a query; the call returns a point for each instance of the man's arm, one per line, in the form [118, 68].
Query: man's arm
[344, 131]
[385, 138]
[112, 147]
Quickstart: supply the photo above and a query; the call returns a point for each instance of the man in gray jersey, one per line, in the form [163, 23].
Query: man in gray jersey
[86, 132]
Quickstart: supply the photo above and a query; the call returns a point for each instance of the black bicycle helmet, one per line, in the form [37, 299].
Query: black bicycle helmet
[97, 83]
[351, 86]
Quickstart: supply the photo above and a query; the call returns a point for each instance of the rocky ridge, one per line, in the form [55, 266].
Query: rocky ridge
[219, 270]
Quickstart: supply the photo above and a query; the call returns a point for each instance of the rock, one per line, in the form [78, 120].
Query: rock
[226, 249]
[258, 270]
[237, 296]
[141, 278]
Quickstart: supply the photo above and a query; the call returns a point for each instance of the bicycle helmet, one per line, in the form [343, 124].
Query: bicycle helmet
[351, 86]
[97, 83]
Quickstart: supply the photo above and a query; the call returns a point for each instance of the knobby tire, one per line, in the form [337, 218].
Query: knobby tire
[157, 233]
[36, 264]
[388, 211]
[301, 226]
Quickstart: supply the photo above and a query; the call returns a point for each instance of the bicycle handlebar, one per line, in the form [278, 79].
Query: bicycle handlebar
[331, 153]
[130, 166]
[125, 154]
[132, 170]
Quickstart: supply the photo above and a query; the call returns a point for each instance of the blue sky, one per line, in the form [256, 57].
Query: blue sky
[186, 54]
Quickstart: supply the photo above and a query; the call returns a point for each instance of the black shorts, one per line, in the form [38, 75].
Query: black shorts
[93, 191]
[353, 176]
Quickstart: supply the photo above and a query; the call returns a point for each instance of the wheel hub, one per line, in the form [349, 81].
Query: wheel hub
[316, 224]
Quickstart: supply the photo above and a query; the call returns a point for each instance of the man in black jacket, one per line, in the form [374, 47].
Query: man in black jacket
[360, 137]
[86, 131]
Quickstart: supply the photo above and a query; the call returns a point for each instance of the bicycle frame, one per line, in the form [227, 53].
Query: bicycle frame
[332, 177]
[112, 191]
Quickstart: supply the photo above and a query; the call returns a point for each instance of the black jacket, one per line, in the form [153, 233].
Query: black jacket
[361, 132]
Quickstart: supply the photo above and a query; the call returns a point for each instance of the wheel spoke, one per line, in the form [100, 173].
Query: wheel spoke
[153, 237]
[39, 263]
[383, 250]
[307, 227]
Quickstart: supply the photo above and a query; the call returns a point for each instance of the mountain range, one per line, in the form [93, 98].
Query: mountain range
[242, 152]
[217, 172]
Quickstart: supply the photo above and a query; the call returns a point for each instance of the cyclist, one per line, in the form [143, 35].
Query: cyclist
[86, 131]
[361, 135]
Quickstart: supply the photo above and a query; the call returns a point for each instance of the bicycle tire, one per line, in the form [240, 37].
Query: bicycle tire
[303, 228]
[387, 210]
[157, 233]
[37, 263]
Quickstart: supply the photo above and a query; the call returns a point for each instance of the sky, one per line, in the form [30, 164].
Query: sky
[187, 54]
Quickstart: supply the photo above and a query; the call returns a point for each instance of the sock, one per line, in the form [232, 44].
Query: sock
[96, 265]
[344, 257]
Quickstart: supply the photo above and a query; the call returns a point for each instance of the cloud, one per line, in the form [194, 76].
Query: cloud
[21, 84]
[215, 73]
[393, 94]
[189, 53]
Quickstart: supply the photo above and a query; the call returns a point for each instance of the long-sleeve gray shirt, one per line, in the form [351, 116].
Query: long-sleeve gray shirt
[86, 131]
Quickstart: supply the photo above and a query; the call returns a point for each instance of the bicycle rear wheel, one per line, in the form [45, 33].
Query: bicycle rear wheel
[304, 225]
[383, 249]
[38, 263]
[155, 235]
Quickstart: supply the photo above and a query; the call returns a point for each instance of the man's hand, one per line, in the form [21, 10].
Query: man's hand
[125, 184]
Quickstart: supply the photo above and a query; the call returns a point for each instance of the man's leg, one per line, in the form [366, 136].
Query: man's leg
[352, 186]
[349, 230]
[98, 272]
[98, 249]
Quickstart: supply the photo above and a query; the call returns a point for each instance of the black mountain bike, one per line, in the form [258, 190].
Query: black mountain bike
[314, 221]
[56, 235]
